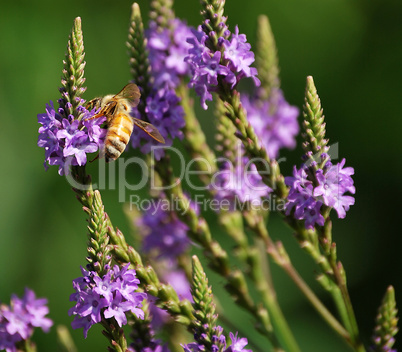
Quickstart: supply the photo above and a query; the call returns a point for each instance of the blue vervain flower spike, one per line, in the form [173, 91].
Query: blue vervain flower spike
[169, 57]
[316, 188]
[159, 103]
[208, 335]
[256, 222]
[218, 65]
[319, 185]
[386, 324]
[109, 291]
[68, 134]
[204, 325]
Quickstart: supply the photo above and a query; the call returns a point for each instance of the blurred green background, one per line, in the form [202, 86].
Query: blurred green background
[352, 48]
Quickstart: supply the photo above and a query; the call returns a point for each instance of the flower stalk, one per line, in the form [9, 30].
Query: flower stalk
[317, 240]
[386, 323]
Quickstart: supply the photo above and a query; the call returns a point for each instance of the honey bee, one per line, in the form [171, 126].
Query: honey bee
[120, 124]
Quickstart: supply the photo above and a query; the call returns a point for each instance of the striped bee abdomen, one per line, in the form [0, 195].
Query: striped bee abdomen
[118, 136]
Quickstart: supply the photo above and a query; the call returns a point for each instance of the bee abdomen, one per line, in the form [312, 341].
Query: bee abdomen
[117, 137]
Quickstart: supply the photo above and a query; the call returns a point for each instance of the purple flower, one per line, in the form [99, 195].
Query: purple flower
[17, 321]
[237, 344]
[274, 121]
[332, 186]
[208, 66]
[67, 141]
[84, 322]
[305, 199]
[49, 119]
[164, 111]
[238, 53]
[109, 296]
[192, 347]
[167, 49]
[116, 309]
[239, 183]
[79, 146]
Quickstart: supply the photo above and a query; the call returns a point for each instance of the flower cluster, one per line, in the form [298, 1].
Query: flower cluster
[230, 63]
[167, 49]
[164, 111]
[66, 140]
[219, 343]
[106, 297]
[239, 182]
[274, 121]
[307, 197]
[17, 321]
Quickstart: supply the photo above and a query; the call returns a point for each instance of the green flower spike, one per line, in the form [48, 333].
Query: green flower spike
[386, 323]
[98, 244]
[73, 79]
[314, 126]
[138, 56]
[213, 11]
[266, 59]
[161, 12]
[204, 324]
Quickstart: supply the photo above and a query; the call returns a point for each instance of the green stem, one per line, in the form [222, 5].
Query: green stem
[65, 339]
[348, 310]
[341, 294]
[315, 302]
[279, 255]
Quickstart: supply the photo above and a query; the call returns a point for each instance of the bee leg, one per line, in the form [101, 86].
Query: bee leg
[95, 117]
[96, 157]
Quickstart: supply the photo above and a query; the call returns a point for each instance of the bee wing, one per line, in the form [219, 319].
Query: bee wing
[149, 129]
[130, 92]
